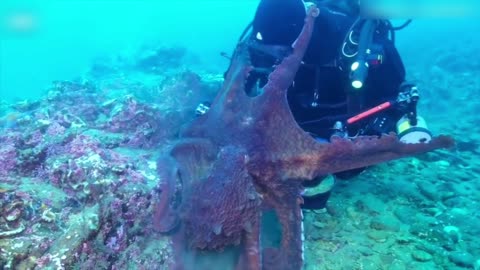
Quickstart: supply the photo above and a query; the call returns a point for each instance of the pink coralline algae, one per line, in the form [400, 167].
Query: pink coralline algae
[55, 129]
[8, 158]
[83, 145]
[118, 242]
[78, 171]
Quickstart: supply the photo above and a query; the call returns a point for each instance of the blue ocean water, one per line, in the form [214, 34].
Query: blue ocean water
[45, 41]
[64, 37]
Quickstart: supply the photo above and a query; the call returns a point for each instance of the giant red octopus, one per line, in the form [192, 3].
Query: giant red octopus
[247, 155]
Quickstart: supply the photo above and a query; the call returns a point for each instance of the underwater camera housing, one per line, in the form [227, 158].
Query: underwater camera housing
[409, 133]
[411, 128]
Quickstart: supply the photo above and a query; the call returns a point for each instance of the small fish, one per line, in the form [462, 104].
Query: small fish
[10, 120]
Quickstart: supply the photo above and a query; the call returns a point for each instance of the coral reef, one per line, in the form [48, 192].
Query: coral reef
[78, 171]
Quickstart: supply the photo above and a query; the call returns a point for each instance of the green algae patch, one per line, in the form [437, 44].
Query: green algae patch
[43, 191]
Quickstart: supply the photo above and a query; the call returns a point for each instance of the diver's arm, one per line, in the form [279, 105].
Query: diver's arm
[401, 118]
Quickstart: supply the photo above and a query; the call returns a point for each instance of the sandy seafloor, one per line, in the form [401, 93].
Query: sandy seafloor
[77, 169]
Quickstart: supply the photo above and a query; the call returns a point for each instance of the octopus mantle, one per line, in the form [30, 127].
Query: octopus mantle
[248, 154]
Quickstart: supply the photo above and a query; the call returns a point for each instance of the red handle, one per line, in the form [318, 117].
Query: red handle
[369, 112]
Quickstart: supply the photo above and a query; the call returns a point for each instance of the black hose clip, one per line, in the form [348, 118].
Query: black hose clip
[407, 100]
[202, 108]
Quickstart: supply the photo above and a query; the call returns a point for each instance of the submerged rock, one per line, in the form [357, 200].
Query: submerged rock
[462, 258]
[385, 224]
[452, 233]
[421, 256]
[80, 227]
[405, 214]
[365, 251]
[476, 266]
[428, 190]
[378, 236]
[397, 265]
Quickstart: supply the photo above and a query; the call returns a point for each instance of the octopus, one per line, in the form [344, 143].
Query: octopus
[247, 155]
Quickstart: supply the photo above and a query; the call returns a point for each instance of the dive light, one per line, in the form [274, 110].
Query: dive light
[359, 73]
[359, 68]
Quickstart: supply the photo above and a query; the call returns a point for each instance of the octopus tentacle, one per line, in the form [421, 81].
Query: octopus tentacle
[290, 253]
[248, 153]
[281, 78]
[165, 215]
[250, 257]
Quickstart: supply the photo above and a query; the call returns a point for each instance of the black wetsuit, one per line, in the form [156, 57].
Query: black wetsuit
[322, 71]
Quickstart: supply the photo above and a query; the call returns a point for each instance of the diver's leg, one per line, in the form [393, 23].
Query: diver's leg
[345, 175]
[317, 192]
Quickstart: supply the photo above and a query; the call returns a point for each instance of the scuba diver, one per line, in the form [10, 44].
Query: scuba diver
[351, 82]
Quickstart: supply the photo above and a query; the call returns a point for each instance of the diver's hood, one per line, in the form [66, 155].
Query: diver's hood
[279, 22]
